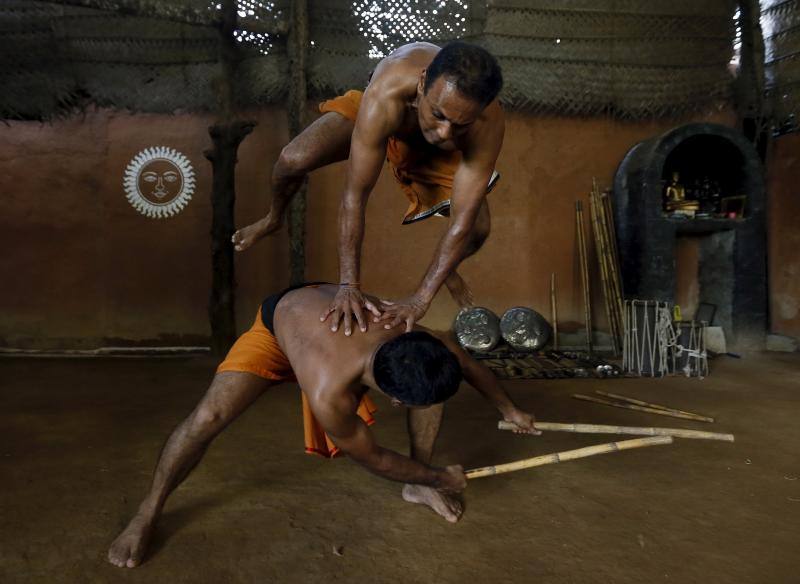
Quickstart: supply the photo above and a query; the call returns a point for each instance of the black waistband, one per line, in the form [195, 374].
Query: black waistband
[270, 302]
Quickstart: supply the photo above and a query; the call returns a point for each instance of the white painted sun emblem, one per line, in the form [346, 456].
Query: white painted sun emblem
[159, 182]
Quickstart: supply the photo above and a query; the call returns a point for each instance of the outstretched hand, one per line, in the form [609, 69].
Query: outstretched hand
[524, 423]
[407, 311]
[348, 302]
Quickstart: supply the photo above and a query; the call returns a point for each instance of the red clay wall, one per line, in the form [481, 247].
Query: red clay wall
[546, 164]
[82, 268]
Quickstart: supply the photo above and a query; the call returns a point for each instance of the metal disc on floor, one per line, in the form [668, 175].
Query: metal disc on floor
[524, 329]
[477, 329]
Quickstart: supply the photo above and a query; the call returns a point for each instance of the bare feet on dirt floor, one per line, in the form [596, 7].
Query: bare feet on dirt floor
[247, 236]
[129, 548]
[447, 506]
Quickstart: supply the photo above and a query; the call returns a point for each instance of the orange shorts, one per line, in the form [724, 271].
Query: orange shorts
[257, 351]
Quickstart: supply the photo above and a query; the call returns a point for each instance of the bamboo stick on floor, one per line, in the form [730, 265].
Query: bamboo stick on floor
[671, 414]
[635, 430]
[567, 455]
[639, 402]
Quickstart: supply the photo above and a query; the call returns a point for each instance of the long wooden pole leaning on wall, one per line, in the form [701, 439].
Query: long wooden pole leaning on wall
[584, 265]
[298, 52]
[226, 135]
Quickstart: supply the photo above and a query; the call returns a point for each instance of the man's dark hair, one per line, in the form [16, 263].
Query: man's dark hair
[474, 71]
[417, 369]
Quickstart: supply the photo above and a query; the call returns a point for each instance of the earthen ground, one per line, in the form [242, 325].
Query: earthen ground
[79, 439]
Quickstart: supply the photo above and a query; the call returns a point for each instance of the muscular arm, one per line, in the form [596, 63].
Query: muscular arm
[367, 153]
[483, 380]
[375, 123]
[469, 192]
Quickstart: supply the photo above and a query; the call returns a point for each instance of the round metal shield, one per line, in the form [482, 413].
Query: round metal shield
[524, 328]
[477, 329]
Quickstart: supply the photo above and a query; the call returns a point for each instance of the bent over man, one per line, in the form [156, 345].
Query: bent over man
[286, 343]
[434, 114]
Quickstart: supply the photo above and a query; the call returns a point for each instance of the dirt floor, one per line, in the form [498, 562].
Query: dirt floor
[79, 438]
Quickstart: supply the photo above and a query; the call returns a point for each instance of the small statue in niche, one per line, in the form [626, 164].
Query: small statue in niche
[675, 190]
[675, 193]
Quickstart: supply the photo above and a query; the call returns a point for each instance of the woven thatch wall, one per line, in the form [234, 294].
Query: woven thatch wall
[780, 20]
[631, 58]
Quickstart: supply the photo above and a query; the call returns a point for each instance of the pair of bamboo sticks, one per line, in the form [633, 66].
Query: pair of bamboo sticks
[630, 403]
[608, 259]
[655, 437]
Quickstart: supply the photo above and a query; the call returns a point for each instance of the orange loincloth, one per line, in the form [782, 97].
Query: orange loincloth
[427, 182]
[257, 352]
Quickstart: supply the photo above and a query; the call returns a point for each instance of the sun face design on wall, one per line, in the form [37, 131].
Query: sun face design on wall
[159, 182]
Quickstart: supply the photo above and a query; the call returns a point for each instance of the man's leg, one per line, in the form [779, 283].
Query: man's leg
[229, 395]
[325, 141]
[458, 288]
[423, 428]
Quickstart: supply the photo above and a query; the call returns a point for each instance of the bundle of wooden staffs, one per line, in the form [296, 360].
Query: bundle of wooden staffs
[630, 403]
[608, 258]
[584, 273]
[635, 430]
[567, 455]
[554, 310]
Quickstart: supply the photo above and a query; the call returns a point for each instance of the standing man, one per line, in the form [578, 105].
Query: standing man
[433, 112]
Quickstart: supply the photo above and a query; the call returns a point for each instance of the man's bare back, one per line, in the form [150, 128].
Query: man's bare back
[334, 375]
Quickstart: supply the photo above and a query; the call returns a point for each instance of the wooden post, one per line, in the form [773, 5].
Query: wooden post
[297, 44]
[221, 313]
[226, 135]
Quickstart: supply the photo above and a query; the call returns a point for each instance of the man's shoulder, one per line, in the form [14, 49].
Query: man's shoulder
[334, 404]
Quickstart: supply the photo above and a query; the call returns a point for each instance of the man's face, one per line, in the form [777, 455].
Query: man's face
[444, 113]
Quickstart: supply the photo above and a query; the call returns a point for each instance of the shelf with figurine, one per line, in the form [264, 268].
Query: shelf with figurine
[702, 199]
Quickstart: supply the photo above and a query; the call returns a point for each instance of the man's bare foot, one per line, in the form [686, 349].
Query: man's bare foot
[129, 548]
[445, 505]
[247, 236]
[459, 290]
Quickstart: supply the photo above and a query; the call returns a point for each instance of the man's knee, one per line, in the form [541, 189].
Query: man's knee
[206, 422]
[292, 163]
